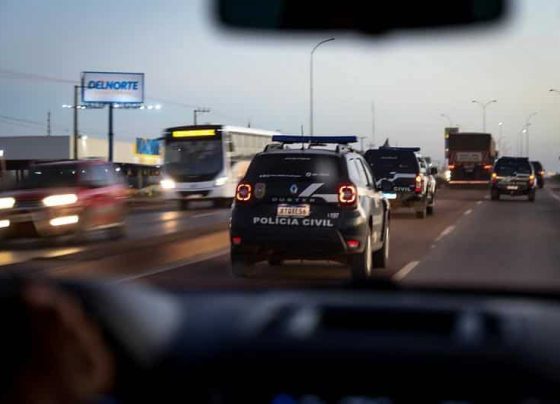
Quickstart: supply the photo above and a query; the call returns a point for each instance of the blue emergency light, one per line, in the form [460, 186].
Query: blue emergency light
[314, 139]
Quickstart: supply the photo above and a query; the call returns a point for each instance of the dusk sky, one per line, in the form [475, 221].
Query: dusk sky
[411, 77]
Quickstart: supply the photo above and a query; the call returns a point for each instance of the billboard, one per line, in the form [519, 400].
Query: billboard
[149, 147]
[118, 88]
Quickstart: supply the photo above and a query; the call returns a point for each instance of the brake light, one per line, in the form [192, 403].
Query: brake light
[494, 177]
[347, 194]
[451, 166]
[353, 243]
[418, 188]
[531, 179]
[244, 192]
[236, 240]
[488, 167]
[541, 173]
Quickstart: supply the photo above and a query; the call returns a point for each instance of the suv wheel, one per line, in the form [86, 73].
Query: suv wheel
[361, 264]
[531, 196]
[495, 195]
[183, 204]
[381, 256]
[421, 214]
[430, 208]
[241, 265]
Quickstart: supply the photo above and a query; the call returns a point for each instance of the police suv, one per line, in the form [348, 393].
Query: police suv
[309, 198]
[409, 175]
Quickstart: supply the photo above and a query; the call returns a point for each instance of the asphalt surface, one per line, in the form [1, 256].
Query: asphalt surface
[469, 241]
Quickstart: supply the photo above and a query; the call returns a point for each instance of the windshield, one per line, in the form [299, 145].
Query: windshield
[194, 158]
[51, 177]
[386, 163]
[512, 167]
[192, 193]
[324, 169]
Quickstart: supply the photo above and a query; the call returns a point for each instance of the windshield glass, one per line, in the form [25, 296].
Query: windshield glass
[51, 177]
[512, 167]
[385, 163]
[194, 158]
[294, 167]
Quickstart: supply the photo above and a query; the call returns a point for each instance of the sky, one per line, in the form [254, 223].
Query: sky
[408, 79]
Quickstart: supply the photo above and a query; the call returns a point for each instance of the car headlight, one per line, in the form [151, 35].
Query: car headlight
[7, 203]
[60, 200]
[167, 183]
[221, 181]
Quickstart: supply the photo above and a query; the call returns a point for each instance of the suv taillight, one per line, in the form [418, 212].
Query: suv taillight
[347, 195]
[418, 187]
[244, 192]
[531, 179]
[494, 178]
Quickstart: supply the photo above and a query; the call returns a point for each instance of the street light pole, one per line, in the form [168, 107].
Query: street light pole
[311, 83]
[484, 106]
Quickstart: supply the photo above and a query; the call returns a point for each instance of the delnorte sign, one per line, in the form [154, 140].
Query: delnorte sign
[118, 88]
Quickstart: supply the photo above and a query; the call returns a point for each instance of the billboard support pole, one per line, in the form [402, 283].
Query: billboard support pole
[110, 135]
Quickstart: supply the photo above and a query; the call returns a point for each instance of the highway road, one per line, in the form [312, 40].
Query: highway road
[469, 241]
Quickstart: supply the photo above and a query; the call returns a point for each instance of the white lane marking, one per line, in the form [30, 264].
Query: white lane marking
[467, 212]
[553, 194]
[174, 265]
[311, 189]
[404, 271]
[206, 214]
[478, 202]
[444, 233]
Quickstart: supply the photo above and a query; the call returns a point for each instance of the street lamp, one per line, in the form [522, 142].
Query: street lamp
[484, 105]
[311, 83]
[199, 111]
[526, 131]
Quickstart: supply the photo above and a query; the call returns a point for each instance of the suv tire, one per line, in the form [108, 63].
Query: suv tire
[421, 214]
[361, 264]
[381, 256]
[495, 195]
[241, 265]
[531, 196]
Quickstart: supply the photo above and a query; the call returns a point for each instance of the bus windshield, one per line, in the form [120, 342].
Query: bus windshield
[194, 158]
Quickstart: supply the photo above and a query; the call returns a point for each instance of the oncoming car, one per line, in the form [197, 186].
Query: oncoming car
[309, 202]
[65, 197]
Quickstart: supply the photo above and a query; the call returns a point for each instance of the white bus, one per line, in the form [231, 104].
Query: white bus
[205, 162]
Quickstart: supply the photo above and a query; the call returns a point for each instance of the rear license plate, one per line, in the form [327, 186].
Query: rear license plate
[512, 187]
[293, 211]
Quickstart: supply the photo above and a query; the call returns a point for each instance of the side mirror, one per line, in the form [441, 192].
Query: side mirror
[433, 170]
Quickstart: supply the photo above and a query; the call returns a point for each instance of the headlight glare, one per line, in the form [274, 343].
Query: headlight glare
[60, 200]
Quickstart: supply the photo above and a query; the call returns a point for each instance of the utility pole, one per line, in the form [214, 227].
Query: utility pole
[49, 123]
[197, 111]
[75, 123]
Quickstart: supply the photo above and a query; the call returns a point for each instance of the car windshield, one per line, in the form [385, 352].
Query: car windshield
[294, 167]
[185, 107]
[386, 163]
[51, 177]
[513, 167]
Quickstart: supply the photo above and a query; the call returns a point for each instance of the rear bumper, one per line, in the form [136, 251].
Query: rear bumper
[298, 241]
[407, 199]
[521, 189]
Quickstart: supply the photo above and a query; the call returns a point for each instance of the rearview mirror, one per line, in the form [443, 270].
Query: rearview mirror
[371, 17]
[433, 170]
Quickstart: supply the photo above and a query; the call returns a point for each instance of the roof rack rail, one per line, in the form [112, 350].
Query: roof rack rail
[314, 139]
[413, 149]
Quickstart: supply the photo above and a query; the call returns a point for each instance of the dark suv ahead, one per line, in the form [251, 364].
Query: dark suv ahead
[309, 202]
[539, 173]
[513, 176]
[409, 174]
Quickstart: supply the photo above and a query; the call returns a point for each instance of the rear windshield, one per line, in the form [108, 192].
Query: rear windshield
[294, 168]
[537, 165]
[512, 167]
[385, 162]
[51, 176]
